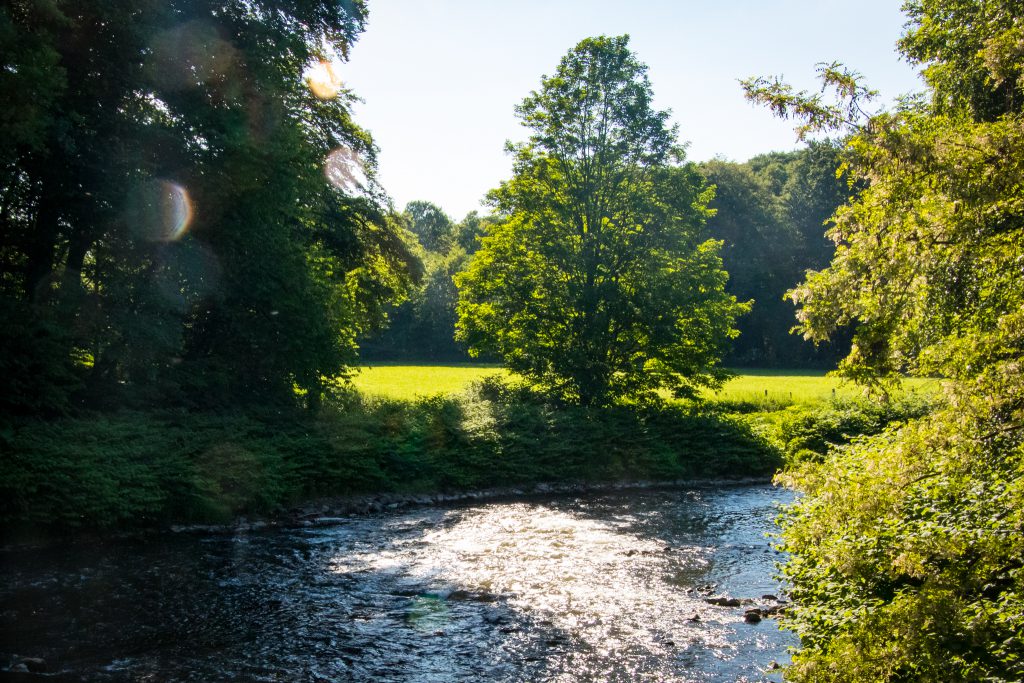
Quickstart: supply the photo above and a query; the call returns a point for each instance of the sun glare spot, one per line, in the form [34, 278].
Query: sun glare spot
[159, 211]
[323, 80]
[344, 170]
[176, 211]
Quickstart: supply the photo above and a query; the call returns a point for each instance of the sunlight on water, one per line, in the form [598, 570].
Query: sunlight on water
[615, 600]
[322, 79]
[344, 170]
[595, 588]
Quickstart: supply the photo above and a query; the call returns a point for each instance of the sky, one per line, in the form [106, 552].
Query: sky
[439, 79]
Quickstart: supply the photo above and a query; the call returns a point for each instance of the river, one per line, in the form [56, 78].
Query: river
[603, 587]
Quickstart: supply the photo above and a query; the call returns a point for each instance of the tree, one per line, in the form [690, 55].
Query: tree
[759, 252]
[422, 327]
[906, 549]
[168, 232]
[471, 229]
[770, 213]
[431, 225]
[597, 282]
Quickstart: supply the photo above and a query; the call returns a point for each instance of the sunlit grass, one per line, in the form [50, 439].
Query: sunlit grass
[761, 387]
[405, 382]
[787, 387]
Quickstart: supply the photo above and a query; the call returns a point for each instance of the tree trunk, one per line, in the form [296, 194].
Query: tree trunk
[41, 247]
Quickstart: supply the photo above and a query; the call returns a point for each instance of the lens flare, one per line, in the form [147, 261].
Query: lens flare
[196, 55]
[186, 273]
[177, 210]
[323, 80]
[159, 211]
[345, 170]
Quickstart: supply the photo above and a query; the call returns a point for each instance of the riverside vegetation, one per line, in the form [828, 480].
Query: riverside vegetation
[164, 362]
[906, 549]
[132, 469]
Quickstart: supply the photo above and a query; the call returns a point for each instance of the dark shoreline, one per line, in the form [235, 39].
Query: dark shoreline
[333, 510]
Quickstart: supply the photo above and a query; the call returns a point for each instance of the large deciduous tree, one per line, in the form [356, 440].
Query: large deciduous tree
[167, 229]
[906, 551]
[598, 281]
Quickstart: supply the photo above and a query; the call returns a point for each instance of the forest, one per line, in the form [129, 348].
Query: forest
[197, 257]
[769, 213]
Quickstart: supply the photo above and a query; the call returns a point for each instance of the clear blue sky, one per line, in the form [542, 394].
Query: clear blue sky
[440, 78]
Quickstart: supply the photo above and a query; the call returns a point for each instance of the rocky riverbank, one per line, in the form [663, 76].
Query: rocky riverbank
[338, 509]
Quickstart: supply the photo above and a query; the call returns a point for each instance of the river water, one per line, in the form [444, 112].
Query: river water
[591, 588]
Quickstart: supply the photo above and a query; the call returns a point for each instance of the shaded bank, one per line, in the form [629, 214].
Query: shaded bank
[148, 470]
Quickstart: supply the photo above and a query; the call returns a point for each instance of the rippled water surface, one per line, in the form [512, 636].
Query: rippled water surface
[595, 588]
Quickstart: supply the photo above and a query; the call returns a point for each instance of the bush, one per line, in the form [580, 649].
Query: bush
[808, 433]
[906, 548]
[134, 469]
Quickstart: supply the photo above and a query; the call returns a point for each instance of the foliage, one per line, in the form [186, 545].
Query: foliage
[906, 553]
[598, 283]
[145, 469]
[906, 550]
[163, 200]
[770, 214]
[432, 227]
[423, 326]
[471, 229]
[808, 434]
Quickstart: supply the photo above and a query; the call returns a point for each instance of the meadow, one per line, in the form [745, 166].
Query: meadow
[410, 382]
[763, 388]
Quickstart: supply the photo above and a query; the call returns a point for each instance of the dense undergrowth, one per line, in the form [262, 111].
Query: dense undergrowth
[126, 470]
[807, 433]
[147, 469]
[906, 549]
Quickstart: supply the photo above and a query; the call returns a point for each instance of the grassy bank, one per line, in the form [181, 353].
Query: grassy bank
[445, 430]
[136, 469]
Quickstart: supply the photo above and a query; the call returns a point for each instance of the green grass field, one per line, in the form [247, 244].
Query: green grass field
[781, 387]
[405, 382]
[799, 387]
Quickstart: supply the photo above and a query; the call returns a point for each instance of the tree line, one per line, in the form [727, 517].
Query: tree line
[770, 213]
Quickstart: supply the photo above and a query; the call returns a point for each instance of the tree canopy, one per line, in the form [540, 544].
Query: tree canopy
[906, 552]
[183, 219]
[598, 281]
[770, 214]
[432, 226]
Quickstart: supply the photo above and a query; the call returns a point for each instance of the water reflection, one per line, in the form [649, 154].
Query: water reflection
[597, 588]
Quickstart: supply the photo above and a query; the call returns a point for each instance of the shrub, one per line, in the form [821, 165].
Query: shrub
[906, 549]
[134, 469]
[808, 433]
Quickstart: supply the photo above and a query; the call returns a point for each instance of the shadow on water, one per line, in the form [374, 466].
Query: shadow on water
[557, 589]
